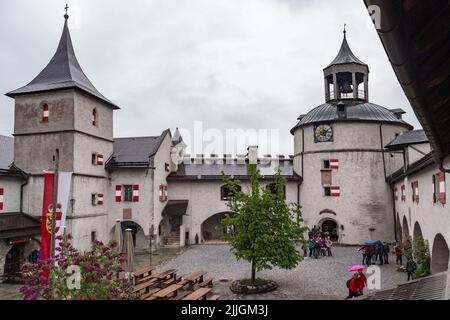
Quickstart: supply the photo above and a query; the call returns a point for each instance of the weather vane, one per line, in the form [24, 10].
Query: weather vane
[67, 12]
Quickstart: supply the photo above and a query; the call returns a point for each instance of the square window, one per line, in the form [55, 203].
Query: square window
[128, 193]
[94, 159]
[94, 199]
[326, 164]
[327, 191]
[93, 236]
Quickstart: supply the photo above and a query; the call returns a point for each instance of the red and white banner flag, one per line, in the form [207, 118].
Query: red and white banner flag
[64, 184]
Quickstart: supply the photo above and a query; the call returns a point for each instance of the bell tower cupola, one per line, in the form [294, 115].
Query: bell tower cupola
[347, 77]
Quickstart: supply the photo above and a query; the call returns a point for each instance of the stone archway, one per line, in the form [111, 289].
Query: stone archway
[405, 230]
[398, 229]
[440, 254]
[417, 231]
[210, 229]
[330, 226]
[139, 238]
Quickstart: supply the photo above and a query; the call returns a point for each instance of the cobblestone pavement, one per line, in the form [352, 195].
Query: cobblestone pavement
[312, 279]
[324, 278]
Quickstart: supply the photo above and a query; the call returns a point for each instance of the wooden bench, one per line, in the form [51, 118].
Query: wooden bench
[167, 274]
[214, 297]
[206, 283]
[149, 294]
[165, 293]
[199, 294]
[144, 286]
[172, 281]
[180, 296]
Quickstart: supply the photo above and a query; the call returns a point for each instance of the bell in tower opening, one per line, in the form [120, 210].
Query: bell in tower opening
[346, 77]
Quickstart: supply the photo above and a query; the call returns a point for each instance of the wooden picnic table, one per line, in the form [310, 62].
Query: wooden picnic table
[199, 294]
[195, 278]
[164, 293]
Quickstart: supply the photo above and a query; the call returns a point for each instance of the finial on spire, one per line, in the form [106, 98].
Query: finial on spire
[345, 31]
[66, 16]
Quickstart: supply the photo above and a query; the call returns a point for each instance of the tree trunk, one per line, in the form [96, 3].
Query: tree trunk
[253, 273]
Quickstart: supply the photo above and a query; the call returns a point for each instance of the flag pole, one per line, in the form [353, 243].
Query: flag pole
[54, 204]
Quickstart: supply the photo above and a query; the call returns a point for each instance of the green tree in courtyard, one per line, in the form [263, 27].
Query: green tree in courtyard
[266, 228]
[407, 248]
[421, 254]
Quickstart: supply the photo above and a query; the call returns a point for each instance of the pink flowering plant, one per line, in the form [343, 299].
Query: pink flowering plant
[96, 274]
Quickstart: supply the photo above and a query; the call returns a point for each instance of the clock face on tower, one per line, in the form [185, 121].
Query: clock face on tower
[323, 133]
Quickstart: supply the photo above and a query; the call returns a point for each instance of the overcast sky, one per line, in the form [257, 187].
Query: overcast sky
[253, 64]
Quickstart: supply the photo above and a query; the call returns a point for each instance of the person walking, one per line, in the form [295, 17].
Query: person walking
[310, 247]
[305, 248]
[329, 244]
[362, 281]
[398, 253]
[353, 286]
[380, 253]
[386, 253]
[316, 248]
[410, 268]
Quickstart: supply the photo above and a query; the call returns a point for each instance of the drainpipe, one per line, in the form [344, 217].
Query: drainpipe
[22, 186]
[382, 151]
[303, 148]
[395, 210]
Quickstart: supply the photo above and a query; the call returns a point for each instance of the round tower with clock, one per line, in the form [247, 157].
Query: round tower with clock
[339, 152]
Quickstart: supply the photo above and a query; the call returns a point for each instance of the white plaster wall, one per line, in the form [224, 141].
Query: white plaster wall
[433, 218]
[366, 200]
[204, 201]
[11, 196]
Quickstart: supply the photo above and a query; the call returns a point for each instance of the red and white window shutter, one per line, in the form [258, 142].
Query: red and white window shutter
[163, 193]
[433, 186]
[136, 193]
[334, 164]
[442, 192]
[2, 192]
[416, 191]
[335, 191]
[100, 159]
[45, 113]
[100, 199]
[118, 193]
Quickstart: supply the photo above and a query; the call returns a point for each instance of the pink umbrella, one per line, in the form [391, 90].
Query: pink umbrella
[357, 268]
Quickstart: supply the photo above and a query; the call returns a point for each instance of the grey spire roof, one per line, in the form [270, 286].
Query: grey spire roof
[177, 138]
[345, 55]
[62, 72]
[360, 112]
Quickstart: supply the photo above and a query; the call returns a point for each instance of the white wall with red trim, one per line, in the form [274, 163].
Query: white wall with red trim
[9, 195]
[432, 214]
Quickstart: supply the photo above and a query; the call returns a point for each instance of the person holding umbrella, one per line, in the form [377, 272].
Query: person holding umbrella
[357, 283]
[353, 286]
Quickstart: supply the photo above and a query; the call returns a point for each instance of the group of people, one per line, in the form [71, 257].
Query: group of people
[375, 252]
[319, 244]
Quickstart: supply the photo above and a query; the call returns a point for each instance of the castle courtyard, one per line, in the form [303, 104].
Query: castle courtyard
[313, 279]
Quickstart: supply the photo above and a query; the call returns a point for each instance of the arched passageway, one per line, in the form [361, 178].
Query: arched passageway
[330, 228]
[398, 229]
[417, 233]
[405, 230]
[211, 230]
[139, 239]
[439, 255]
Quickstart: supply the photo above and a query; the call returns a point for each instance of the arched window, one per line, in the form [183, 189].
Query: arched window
[94, 117]
[273, 188]
[225, 192]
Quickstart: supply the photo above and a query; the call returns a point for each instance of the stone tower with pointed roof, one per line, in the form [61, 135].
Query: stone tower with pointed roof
[339, 154]
[61, 109]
